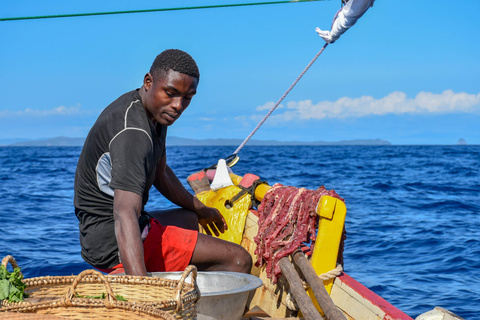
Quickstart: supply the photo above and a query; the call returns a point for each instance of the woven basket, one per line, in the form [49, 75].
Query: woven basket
[28, 316]
[143, 294]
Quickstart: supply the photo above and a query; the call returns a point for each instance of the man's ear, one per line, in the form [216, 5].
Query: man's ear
[148, 81]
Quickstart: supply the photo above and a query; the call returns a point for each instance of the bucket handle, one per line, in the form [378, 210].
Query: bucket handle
[191, 269]
[12, 261]
[109, 299]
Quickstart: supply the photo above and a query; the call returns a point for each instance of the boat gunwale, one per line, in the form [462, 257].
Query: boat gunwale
[390, 311]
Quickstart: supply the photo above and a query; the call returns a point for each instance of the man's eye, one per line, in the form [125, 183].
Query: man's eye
[170, 94]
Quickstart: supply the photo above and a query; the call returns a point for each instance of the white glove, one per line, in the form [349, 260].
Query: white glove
[345, 18]
[326, 35]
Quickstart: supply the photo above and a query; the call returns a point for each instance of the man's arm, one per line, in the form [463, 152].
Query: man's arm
[345, 19]
[126, 211]
[170, 186]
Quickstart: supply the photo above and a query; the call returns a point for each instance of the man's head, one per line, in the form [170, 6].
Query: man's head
[169, 86]
[176, 60]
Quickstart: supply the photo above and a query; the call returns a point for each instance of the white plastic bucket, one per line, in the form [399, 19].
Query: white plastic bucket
[223, 294]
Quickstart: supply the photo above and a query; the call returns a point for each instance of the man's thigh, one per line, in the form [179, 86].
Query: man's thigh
[216, 254]
[178, 217]
[168, 248]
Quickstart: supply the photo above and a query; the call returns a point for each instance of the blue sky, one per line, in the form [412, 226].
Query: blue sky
[407, 72]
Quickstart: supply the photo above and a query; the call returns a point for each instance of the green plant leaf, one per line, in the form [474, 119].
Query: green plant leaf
[12, 287]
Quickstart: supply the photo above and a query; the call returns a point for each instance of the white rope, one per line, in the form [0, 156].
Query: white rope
[279, 101]
[332, 273]
[290, 301]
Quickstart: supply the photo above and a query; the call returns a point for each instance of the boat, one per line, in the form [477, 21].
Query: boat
[354, 300]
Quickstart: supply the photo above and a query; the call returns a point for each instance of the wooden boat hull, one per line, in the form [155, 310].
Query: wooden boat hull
[351, 297]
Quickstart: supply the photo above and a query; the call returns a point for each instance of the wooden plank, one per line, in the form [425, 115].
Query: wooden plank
[304, 302]
[321, 294]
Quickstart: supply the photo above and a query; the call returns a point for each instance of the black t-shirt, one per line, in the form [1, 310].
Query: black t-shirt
[121, 152]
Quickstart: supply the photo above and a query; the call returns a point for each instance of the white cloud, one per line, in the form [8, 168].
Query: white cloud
[394, 103]
[61, 110]
[268, 106]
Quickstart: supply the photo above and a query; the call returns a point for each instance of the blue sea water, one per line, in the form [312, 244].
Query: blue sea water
[413, 217]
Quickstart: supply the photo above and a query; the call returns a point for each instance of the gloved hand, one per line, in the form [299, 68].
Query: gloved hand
[326, 35]
[345, 18]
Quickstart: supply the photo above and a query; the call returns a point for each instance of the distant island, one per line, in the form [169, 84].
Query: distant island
[177, 141]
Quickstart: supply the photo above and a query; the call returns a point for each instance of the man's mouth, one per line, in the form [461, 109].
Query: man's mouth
[171, 117]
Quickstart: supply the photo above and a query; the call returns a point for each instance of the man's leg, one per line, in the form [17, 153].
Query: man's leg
[210, 254]
[213, 254]
[180, 217]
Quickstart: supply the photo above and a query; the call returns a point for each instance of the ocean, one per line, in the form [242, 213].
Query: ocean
[413, 212]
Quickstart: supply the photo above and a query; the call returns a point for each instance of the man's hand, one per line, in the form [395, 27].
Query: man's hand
[211, 219]
[168, 184]
[326, 35]
[345, 19]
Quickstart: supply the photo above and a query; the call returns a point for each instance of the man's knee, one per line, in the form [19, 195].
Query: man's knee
[245, 265]
[242, 260]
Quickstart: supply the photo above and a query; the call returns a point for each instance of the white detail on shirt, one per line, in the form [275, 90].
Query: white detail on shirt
[104, 174]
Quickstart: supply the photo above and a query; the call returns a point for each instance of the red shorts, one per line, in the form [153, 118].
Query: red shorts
[166, 248]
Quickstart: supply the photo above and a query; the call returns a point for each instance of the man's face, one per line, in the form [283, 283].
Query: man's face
[167, 97]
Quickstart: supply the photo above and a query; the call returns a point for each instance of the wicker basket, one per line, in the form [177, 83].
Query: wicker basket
[28, 316]
[147, 295]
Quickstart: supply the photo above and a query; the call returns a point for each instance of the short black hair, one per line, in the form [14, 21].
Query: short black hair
[176, 60]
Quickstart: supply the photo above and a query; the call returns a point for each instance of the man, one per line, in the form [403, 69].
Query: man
[123, 156]
[345, 18]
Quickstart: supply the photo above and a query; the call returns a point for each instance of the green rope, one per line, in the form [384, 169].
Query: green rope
[151, 10]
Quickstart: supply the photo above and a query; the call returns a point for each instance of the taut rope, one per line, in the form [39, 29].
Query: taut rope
[279, 101]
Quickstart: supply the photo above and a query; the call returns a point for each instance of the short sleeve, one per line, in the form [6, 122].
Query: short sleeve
[130, 152]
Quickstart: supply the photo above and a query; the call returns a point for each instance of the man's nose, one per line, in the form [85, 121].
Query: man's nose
[177, 104]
